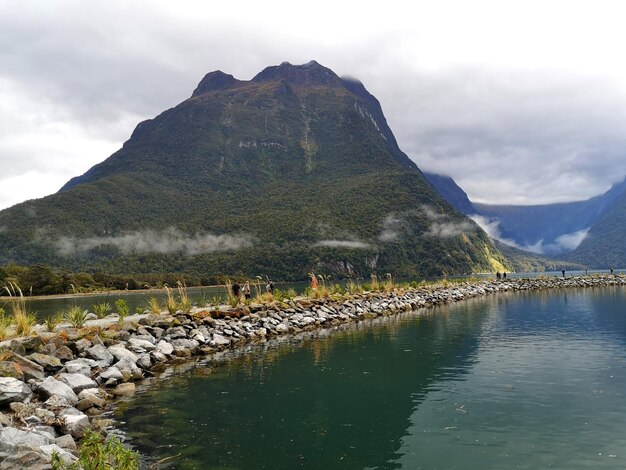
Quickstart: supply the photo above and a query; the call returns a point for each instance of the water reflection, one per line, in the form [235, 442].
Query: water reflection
[341, 403]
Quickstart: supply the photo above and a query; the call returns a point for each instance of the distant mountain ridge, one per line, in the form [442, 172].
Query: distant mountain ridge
[587, 232]
[292, 171]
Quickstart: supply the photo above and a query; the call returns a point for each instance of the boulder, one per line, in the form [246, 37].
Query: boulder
[64, 353]
[80, 366]
[220, 340]
[124, 390]
[120, 352]
[30, 369]
[66, 442]
[30, 459]
[9, 369]
[140, 345]
[111, 373]
[100, 353]
[66, 456]
[13, 390]
[51, 387]
[73, 422]
[78, 382]
[56, 402]
[82, 344]
[164, 348]
[144, 361]
[49, 363]
[13, 439]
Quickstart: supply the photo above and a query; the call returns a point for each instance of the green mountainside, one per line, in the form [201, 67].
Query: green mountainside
[604, 246]
[293, 171]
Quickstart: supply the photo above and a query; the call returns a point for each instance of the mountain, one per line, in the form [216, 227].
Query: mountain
[292, 171]
[451, 192]
[603, 247]
[551, 228]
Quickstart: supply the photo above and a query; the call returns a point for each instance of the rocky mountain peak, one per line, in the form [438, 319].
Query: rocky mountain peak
[311, 73]
[213, 81]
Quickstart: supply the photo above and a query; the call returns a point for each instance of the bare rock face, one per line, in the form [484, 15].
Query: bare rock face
[13, 390]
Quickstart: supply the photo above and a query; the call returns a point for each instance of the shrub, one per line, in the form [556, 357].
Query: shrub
[76, 316]
[170, 302]
[102, 309]
[23, 320]
[53, 321]
[154, 305]
[5, 323]
[122, 309]
[184, 303]
[97, 453]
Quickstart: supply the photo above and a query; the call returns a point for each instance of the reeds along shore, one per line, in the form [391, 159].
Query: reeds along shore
[53, 384]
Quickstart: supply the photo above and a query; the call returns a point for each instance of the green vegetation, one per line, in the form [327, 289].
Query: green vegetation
[97, 453]
[102, 309]
[22, 318]
[52, 321]
[76, 316]
[154, 305]
[122, 309]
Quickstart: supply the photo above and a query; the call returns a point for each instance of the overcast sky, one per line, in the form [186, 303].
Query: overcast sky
[520, 102]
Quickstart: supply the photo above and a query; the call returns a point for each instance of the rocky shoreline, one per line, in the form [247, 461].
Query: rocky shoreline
[54, 385]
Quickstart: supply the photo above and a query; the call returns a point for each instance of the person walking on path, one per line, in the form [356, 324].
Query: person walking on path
[246, 290]
[236, 289]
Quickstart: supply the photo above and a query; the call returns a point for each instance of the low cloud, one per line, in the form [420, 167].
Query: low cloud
[343, 244]
[448, 229]
[442, 227]
[564, 243]
[391, 228]
[168, 241]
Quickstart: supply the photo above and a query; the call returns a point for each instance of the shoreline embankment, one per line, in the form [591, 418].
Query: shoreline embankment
[55, 385]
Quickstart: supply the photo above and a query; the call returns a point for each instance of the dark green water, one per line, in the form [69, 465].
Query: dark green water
[512, 381]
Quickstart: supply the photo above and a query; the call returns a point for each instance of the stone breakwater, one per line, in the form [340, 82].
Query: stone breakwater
[53, 385]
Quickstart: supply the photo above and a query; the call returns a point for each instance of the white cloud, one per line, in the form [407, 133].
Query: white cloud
[167, 241]
[343, 244]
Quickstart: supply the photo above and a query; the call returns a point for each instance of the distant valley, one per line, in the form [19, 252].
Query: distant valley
[586, 232]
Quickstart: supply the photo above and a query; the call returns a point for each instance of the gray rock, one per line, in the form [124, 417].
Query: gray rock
[158, 357]
[4, 420]
[120, 352]
[140, 345]
[129, 369]
[66, 442]
[82, 344]
[220, 340]
[51, 386]
[13, 439]
[66, 456]
[64, 353]
[13, 390]
[78, 382]
[49, 363]
[144, 361]
[181, 343]
[111, 373]
[125, 390]
[30, 459]
[282, 328]
[101, 354]
[73, 422]
[81, 366]
[164, 348]
[56, 402]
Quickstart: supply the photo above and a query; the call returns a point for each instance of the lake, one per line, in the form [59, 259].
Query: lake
[525, 380]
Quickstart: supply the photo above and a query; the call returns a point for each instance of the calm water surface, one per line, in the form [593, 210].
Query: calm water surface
[511, 381]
